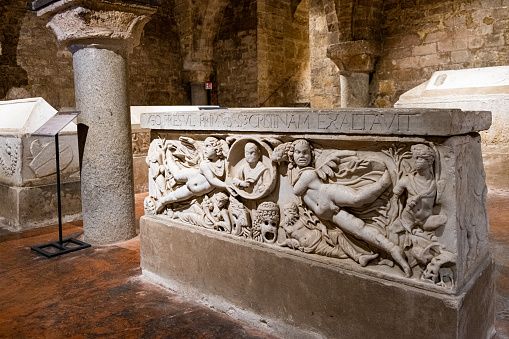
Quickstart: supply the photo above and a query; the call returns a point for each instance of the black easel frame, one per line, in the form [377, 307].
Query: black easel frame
[61, 246]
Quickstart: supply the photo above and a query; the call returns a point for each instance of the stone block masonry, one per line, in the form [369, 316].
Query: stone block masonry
[423, 37]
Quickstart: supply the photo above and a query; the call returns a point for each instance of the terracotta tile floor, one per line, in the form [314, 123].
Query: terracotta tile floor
[97, 292]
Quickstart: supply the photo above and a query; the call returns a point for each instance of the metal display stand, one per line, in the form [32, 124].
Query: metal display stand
[51, 129]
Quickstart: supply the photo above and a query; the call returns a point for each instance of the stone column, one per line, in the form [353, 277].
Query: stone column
[355, 60]
[197, 73]
[100, 35]
[199, 94]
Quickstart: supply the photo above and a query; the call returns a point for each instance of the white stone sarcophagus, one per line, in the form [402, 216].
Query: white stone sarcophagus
[28, 192]
[350, 223]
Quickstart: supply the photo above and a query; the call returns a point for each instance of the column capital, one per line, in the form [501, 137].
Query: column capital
[197, 72]
[358, 56]
[97, 23]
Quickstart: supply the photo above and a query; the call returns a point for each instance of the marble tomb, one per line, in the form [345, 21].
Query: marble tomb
[341, 223]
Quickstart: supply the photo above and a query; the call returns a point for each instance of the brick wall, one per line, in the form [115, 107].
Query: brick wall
[283, 53]
[11, 18]
[31, 58]
[155, 66]
[235, 56]
[325, 90]
[421, 37]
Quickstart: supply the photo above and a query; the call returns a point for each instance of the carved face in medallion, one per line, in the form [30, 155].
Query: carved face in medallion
[302, 153]
[251, 153]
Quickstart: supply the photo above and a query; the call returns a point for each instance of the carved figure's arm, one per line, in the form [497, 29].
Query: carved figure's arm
[304, 182]
[292, 243]
[211, 178]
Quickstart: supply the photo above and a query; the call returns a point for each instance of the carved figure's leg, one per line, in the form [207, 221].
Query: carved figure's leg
[180, 194]
[357, 227]
[180, 174]
[349, 197]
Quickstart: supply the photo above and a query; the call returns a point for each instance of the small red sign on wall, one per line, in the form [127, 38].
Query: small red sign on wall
[208, 85]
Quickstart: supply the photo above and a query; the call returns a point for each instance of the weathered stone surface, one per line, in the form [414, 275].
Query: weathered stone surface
[345, 121]
[354, 90]
[410, 193]
[288, 289]
[354, 56]
[113, 23]
[107, 173]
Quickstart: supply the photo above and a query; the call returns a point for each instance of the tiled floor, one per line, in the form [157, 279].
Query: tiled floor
[98, 292]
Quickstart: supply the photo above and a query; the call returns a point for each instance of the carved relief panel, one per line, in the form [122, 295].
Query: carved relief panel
[380, 207]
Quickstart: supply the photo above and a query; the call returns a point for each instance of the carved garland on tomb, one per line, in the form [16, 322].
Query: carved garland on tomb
[9, 158]
[378, 209]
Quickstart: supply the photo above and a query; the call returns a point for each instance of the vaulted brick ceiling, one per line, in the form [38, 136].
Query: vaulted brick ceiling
[198, 23]
[351, 20]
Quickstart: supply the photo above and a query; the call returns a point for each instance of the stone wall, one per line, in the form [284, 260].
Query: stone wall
[155, 66]
[267, 53]
[30, 58]
[235, 55]
[283, 53]
[421, 37]
[325, 90]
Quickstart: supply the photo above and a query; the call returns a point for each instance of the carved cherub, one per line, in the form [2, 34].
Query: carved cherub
[217, 212]
[420, 186]
[253, 176]
[198, 181]
[327, 198]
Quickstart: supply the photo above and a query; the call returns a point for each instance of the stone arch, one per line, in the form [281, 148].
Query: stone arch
[352, 20]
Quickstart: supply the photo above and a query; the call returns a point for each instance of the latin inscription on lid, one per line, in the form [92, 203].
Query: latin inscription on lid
[346, 121]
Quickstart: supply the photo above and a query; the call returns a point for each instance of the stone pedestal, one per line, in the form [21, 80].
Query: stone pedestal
[335, 223]
[28, 190]
[292, 295]
[141, 141]
[100, 35]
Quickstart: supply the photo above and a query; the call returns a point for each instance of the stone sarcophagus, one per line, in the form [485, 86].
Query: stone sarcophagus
[28, 190]
[338, 223]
